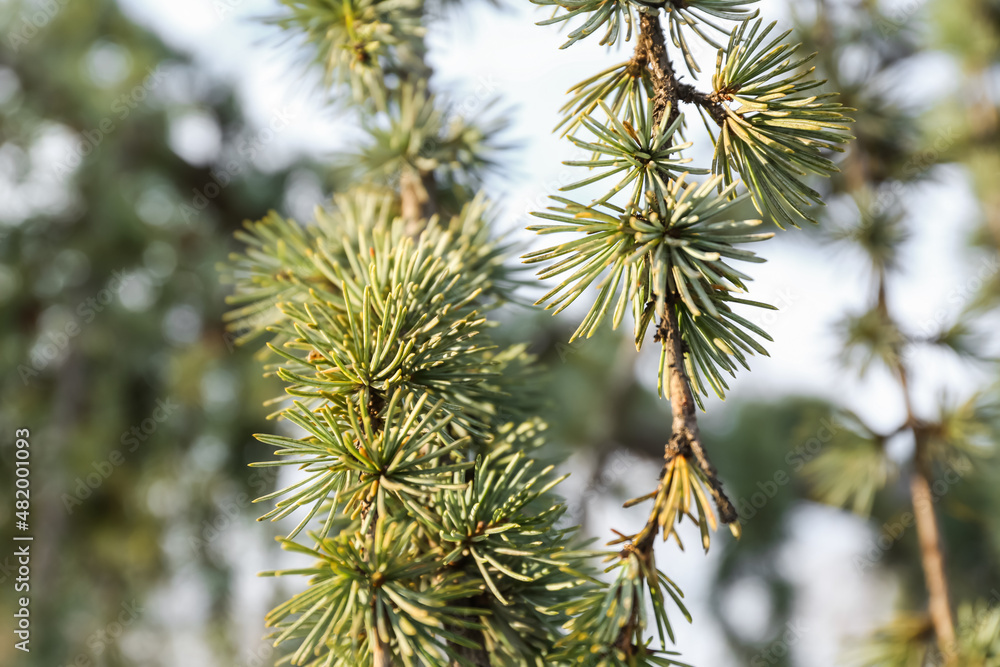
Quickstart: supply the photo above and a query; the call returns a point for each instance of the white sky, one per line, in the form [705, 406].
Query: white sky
[484, 48]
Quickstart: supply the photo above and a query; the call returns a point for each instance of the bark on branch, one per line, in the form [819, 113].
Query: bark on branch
[929, 536]
[928, 532]
[686, 436]
[651, 52]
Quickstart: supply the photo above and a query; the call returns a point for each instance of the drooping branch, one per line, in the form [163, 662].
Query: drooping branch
[685, 440]
[686, 436]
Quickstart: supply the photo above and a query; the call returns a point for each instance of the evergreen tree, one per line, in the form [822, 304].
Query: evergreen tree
[946, 478]
[428, 513]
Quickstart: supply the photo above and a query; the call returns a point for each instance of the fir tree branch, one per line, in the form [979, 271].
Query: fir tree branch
[686, 438]
[418, 203]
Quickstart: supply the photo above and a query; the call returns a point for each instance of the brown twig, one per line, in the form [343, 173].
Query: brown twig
[667, 91]
[685, 439]
[928, 531]
[931, 557]
[651, 53]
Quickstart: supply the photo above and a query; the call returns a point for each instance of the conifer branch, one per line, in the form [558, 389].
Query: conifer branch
[439, 533]
[925, 516]
[852, 472]
[651, 53]
[686, 436]
[931, 556]
[418, 206]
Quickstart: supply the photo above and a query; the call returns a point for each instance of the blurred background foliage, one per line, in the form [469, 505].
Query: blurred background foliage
[111, 309]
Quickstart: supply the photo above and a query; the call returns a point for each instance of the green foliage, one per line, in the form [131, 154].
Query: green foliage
[871, 336]
[621, 84]
[966, 432]
[683, 490]
[362, 587]
[778, 132]
[979, 633]
[597, 13]
[279, 263]
[695, 15]
[360, 42]
[678, 243]
[418, 132]
[851, 469]
[400, 462]
[606, 618]
[905, 642]
[664, 241]
[436, 534]
[286, 263]
[699, 16]
[908, 640]
[664, 245]
[643, 153]
[492, 522]
[397, 396]
[877, 231]
[419, 453]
